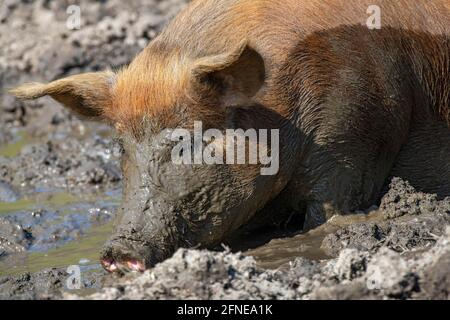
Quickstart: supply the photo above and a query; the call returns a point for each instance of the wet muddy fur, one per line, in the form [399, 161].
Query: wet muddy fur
[364, 117]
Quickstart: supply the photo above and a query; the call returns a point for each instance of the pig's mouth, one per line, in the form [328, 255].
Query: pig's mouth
[119, 258]
[124, 266]
[124, 254]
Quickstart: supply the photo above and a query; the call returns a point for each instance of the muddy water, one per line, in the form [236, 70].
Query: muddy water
[279, 252]
[82, 252]
[59, 209]
[14, 148]
[80, 246]
[37, 201]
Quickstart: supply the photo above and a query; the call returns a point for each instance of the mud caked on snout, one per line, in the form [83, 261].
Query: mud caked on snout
[128, 255]
[137, 245]
[116, 257]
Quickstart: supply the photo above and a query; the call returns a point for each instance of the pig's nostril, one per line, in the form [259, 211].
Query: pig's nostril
[123, 266]
[120, 258]
[109, 265]
[135, 265]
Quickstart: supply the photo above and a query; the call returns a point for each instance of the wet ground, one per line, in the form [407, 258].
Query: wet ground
[60, 186]
[60, 179]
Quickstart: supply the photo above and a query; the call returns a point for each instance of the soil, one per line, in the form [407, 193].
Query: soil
[60, 186]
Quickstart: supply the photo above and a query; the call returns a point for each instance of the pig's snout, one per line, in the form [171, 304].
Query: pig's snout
[131, 265]
[117, 257]
[133, 253]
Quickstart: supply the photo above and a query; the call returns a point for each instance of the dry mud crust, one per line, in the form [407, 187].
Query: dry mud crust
[192, 274]
[65, 164]
[43, 285]
[412, 221]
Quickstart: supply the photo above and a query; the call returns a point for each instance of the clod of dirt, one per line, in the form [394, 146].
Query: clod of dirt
[13, 238]
[436, 282]
[402, 199]
[351, 264]
[42, 285]
[192, 274]
[414, 222]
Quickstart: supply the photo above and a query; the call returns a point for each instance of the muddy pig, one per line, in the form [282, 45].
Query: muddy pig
[353, 106]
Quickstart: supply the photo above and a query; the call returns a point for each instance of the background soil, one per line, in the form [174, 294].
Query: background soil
[60, 186]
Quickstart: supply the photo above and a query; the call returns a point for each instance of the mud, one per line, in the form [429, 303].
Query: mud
[375, 257]
[44, 285]
[60, 179]
[410, 221]
[60, 185]
[354, 274]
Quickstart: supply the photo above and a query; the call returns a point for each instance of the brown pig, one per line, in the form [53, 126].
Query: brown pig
[353, 105]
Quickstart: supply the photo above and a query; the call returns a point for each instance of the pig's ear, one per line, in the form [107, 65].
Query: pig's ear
[86, 94]
[237, 75]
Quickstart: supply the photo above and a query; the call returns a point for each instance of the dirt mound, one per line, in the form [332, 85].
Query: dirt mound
[412, 221]
[355, 274]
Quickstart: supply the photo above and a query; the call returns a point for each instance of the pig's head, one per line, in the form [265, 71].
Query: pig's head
[168, 205]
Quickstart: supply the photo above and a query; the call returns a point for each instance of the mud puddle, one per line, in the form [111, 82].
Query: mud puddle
[58, 228]
[54, 230]
[83, 252]
[13, 148]
[278, 253]
[37, 201]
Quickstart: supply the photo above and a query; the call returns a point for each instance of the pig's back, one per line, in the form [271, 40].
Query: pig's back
[275, 26]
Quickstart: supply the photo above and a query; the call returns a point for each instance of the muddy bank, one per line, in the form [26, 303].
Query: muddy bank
[354, 274]
[46, 284]
[63, 163]
[403, 255]
[60, 179]
[395, 252]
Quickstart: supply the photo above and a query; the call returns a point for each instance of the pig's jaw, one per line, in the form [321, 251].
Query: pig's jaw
[131, 265]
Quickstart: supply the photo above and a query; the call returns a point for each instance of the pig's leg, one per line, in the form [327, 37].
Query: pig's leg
[343, 190]
[346, 166]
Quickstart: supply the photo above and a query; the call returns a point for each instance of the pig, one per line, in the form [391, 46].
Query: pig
[353, 104]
